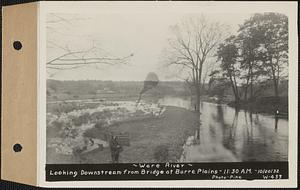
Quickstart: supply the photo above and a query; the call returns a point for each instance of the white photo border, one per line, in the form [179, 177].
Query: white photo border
[288, 8]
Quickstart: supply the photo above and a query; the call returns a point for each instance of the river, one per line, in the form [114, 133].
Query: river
[229, 135]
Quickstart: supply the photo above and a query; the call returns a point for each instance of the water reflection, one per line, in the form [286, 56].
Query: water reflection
[228, 134]
[276, 123]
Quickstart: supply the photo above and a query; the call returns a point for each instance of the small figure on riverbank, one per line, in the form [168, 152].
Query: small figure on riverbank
[115, 149]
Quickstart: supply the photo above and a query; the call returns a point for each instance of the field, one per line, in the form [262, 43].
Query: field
[80, 124]
[152, 139]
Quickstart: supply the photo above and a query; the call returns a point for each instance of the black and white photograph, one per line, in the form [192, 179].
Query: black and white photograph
[167, 88]
[162, 86]
[150, 94]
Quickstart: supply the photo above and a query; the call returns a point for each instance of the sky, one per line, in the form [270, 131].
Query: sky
[118, 35]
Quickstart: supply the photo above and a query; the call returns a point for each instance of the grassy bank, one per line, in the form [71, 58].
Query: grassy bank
[151, 139]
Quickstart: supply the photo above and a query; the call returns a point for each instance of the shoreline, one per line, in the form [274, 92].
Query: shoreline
[266, 105]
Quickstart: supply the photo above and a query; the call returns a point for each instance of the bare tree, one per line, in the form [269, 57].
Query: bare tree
[71, 58]
[207, 70]
[74, 59]
[194, 41]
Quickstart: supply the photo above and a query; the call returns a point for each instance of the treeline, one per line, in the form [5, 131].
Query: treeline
[256, 57]
[92, 87]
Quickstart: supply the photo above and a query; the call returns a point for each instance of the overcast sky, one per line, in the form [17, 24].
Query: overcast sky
[119, 35]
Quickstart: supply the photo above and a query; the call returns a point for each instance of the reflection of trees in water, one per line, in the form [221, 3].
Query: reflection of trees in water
[247, 147]
[228, 130]
[276, 124]
[229, 139]
[198, 115]
[245, 117]
[198, 127]
[218, 117]
[220, 114]
[251, 148]
[251, 118]
[261, 128]
[201, 105]
[242, 143]
[249, 126]
[257, 148]
[246, 134]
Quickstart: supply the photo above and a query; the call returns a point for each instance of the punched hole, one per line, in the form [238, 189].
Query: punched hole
[17, 45]
[17, 147]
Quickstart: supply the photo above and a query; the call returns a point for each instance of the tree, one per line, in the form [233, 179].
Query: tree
[248, 42]
[269, 32]
[210, 67]
[274, 29]
[218, 86]
[74, 59]
[227, 53]
[193, 42]
[70, 57]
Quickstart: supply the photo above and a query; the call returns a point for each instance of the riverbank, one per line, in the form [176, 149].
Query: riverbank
[151, 139]
[270, 105]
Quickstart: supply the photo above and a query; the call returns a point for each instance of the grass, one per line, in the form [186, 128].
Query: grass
[151, 139]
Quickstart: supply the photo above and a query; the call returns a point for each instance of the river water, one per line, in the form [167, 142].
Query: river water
[229, 135]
